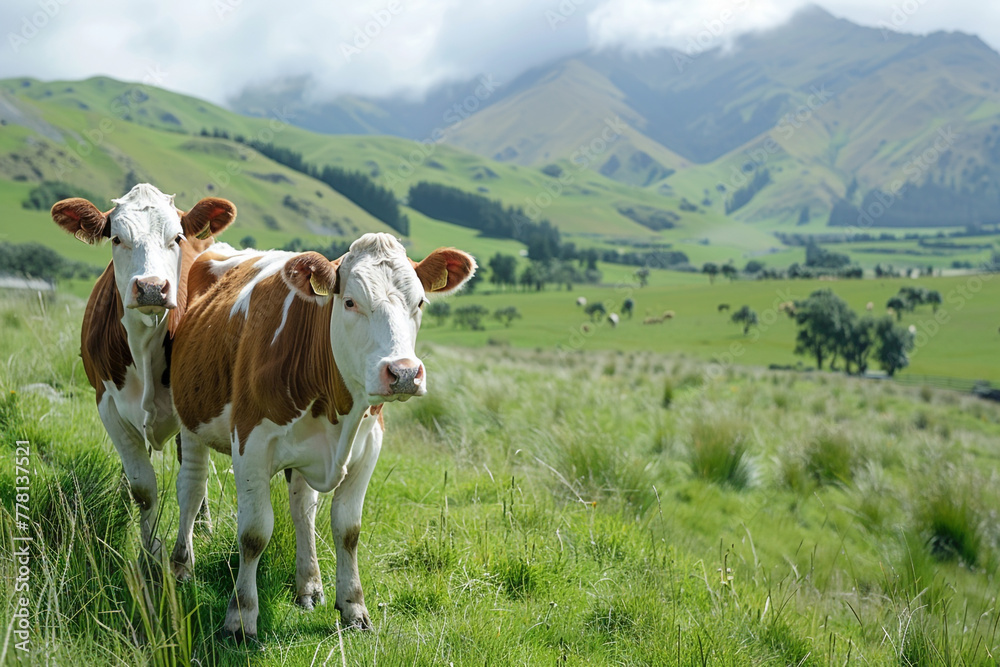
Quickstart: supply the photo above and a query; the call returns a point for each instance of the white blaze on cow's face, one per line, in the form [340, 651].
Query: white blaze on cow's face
[376, 316]
[146, 233]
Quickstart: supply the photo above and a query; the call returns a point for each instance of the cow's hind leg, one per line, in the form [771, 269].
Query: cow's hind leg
[192, 481]
[254, 525]
[303, 501]
[345, 519]
[131, 448]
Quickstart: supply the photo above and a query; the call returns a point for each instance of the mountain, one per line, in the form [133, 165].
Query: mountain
[835, 112]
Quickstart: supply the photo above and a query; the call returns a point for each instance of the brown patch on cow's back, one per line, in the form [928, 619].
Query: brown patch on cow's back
[220, 359]
[103, 340]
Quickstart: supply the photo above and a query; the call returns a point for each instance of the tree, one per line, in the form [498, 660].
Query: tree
[898, 306]
[729, 271]
[753, 266]
[858, 343]
[440, 311]
[248, 242]
[746, 317]
[507, 315]
[470, 317]
[711, 269]
[894, 344]
[503, 270]
[822, 319]
[643, 276]
[934, 298]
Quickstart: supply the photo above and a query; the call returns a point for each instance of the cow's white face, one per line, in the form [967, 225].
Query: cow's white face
[378, 297]
[146, 232]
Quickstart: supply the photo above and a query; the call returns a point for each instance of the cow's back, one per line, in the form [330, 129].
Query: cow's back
[249, 342]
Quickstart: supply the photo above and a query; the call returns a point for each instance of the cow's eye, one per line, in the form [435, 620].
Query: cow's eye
[422, 304]
[348, 303]
[178, 239]
[115, 240]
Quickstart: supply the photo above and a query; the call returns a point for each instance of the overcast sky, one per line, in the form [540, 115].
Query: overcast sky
[213, 48]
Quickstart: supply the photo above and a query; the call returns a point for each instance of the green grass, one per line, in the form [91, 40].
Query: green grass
[540, 508]
[961, 343]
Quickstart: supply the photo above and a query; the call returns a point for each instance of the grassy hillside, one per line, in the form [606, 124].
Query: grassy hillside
[538, 508]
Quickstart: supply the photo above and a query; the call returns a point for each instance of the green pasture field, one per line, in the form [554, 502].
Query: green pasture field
[630, 508]
[960, 340]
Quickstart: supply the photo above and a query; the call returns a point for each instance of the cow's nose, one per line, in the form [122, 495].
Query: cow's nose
[150, 292]
[403, 376]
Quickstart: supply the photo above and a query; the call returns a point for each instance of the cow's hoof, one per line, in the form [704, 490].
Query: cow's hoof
[309, 601]
[355, 616]
[237, 636]
[183, 571]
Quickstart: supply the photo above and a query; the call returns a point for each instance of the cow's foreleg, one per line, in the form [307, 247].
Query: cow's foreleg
[138, 470]
[345, 520]
[254, 524]
[192, 482]
[303, 501]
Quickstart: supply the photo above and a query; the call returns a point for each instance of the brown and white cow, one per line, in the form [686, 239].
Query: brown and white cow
[285, 362]
[131, 315]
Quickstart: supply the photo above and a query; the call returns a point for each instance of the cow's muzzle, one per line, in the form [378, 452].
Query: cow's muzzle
[151, 296]
[401, 378]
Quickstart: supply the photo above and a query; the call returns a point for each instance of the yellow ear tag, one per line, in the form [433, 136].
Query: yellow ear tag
[441, 281]
[205, 233]
[319, 289]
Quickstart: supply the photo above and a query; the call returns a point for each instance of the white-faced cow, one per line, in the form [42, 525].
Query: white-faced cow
[285, 362]
[131, 316]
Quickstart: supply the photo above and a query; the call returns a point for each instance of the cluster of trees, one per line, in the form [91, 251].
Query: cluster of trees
[487, 216]
[34, 260]
[470, 316]
[45, 194]
[537, 274]
[908, 298]
[830, 330]
[742, 197]
[818, 257]
[380, 202]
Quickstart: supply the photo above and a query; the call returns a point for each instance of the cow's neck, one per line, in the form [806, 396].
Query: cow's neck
[146, 339]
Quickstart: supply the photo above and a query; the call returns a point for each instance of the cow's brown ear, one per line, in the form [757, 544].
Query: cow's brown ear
[208, 217]
[445, 270]
[82, 219]
[311, 274]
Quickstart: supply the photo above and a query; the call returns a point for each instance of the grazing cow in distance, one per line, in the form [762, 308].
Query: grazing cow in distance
[628, 305]
[869, 306]
[653, 320]
[787, 307]
[581, 301]
[613, 319]
[596, 311]
[668, 314]
[284, 361]
[723, 307]
[131, 316]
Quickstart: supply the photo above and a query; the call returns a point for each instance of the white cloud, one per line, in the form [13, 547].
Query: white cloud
[213, 48]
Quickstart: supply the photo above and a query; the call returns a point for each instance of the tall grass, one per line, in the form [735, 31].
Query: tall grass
[535, 509]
